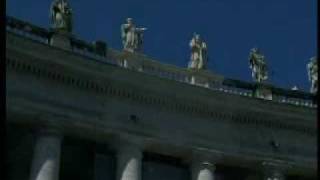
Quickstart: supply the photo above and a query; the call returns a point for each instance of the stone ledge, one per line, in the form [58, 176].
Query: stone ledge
[164, 102]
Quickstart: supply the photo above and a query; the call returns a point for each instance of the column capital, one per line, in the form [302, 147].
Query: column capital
[129, 150]
[275, 164]
[128, 147]
[213, 157]
[202, 167]
[275, 169]
[45, 131]
[201, 161]
[48, 132]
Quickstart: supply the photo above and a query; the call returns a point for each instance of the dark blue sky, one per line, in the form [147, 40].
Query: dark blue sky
[284, 30]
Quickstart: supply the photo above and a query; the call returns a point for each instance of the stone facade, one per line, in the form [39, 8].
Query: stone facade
[191, 130]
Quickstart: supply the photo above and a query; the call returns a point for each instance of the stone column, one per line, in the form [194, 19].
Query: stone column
[129, 162]
[273, 171]
[46, 157]
[202, 170]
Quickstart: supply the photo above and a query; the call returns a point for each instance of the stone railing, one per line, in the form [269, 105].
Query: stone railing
[142, 63]
[96, 50]
[27, 30]
[298, 98]
[206, 79]
[145, 64]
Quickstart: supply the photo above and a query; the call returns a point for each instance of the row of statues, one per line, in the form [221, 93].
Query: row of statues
[260, 71]
[132, 41]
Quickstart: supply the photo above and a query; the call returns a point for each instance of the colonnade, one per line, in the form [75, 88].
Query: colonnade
[46, 161]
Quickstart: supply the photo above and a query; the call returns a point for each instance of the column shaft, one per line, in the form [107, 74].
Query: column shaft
[46, 158]
[202, 171]
[129, 163]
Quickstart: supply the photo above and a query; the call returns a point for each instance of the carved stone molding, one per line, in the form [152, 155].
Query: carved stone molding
[186, 106]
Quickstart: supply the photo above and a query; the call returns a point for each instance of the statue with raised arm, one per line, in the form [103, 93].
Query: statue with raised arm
[199, 58]
[61, 16]
[132, 37]
[258, 65]
[312, 68]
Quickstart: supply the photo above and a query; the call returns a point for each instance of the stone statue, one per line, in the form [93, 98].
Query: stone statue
[61, 16]
[199, 56]
[132, 37]
[312, 68]
[258, 65]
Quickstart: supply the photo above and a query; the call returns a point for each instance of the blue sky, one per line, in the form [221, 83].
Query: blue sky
[284, 30]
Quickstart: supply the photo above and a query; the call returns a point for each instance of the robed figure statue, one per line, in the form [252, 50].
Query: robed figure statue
[258, 65]
[61, 16]
[312, 68]
[132, 37]
[199, 58]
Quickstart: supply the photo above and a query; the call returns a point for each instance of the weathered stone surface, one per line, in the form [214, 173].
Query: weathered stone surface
[95, 100]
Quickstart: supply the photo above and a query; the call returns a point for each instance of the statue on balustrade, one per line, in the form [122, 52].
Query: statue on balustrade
[132, 37]
[312, 68]
[61, 16]
[199, 56]
[258, 65]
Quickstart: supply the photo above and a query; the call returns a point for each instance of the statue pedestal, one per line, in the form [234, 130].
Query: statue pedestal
[263, 92]
[199, 79]
[61, 40]
[131, 60]
[124, 63]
